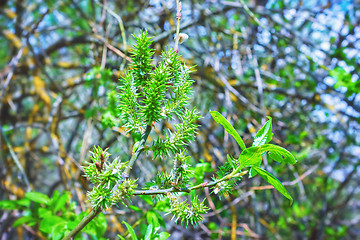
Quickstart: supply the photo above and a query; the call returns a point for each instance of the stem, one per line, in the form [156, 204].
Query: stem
[83, 223]
[252, 15]
[160, 191]
[201, 185]
[138, 151]
[178, 17]
[121, 24]
[16, 160]
[225, 178]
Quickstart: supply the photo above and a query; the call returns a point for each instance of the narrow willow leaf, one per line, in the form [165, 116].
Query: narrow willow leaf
[37, 197]
[273, 181]
[252, 172]
[278, 153]
[49, 222]
[164, 235]
[250, 156]
[232, 161]
[264, 135]
[23, 220]
[131, 230]
[228, 127]
[149, 232]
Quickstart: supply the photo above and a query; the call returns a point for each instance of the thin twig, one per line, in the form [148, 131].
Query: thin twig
[247, 10]
[201, 185]
[178, 17]
[121, 24]
[114, 49]
[83, 223]
[16, 160]
[135, 156]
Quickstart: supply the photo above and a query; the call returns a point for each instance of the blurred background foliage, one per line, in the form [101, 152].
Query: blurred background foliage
[296, 61]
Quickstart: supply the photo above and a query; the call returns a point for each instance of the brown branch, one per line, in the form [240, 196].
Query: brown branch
[83, 223]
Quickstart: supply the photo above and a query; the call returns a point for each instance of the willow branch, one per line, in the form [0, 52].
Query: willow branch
[16, 160]
[118, 18]
[201, 185]
[138, 151]
[83, 223]
[178, 17]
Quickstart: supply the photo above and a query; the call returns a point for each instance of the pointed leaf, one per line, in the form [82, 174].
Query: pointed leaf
[273, 181]
[264, 135]
[152, 219]
[23, 220]
[57, 232]
[100, 224]
[149, 232]
[278, 153]
[48, 223]
[164, 235]
[250, 156]
[252, 172]
[61, 202]
[228, 127]
[8, 204]
[131, 230]
[231, 161]
[37, 197]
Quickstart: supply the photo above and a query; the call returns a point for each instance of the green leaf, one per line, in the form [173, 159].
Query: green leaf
[135, 208]
[164, 235]
[23, 202]
[61, 202]
[149, 232]
[136, 146]
[131, 230]
[72, 224]
[228, 127]
[22, 220]
[100, 224]
[90, 230]
[152, 219]
[48, 223]
[44, 212]
[231, 161]
[147, 199]
[8, 204]
[153, 226]
[278, 153]
[264, 135]
[252, 172]
[54, 199]
[273, 181]
[159, 217]
[250, 156]
[57, 232]
[200, 169]
[37, 197]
